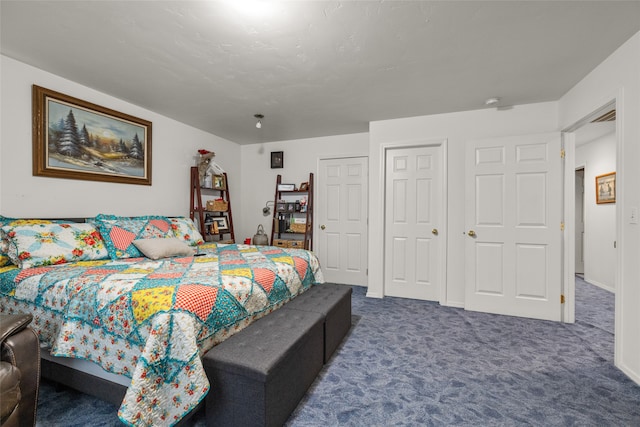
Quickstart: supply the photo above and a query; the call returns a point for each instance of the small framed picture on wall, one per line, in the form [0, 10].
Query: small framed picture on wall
[277, 159]
[606, 188]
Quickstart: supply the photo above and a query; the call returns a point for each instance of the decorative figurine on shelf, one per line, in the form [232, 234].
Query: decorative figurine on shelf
[206, 157]
[207, 168]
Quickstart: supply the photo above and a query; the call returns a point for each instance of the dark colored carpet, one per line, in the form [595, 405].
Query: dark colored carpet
[411, 363]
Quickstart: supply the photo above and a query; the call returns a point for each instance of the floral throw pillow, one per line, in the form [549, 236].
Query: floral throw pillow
[4, 257]
[4, 242]
[120, 232]
[33, 245]
[184, 229]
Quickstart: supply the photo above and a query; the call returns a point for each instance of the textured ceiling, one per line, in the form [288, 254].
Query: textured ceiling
[316, 68]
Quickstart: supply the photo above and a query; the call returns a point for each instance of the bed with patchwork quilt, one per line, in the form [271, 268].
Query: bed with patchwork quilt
[150, 320]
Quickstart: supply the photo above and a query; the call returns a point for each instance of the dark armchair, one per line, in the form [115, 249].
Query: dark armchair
[19, 371]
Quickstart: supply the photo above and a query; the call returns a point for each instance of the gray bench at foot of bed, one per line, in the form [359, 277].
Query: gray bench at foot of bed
[259, 375]
[333, 301]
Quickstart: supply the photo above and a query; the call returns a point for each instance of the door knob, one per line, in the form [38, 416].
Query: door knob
[322, 227]
[471, 233]
[434, 231]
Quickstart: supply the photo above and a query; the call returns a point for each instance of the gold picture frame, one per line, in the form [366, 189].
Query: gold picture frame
[219, 182]
[606, 188]
[76, 139]
[220, 224]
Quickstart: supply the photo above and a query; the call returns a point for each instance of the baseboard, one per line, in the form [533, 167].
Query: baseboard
[600, 285]
[635, 377]
[453, 304]
[373, 294]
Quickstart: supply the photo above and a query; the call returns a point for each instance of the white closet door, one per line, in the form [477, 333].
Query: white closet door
[413, 248]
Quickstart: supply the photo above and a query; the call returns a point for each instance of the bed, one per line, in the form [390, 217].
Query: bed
[149, 320]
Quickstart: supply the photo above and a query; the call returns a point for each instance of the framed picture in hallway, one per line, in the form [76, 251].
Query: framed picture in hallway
[606, 188]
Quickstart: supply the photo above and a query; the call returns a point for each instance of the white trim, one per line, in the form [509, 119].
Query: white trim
[600, 285]
[445, 221]
[454, 305]
[577, 167]
[617, 99]
[620, 210]
[606, 107]
[339, 156]
[631, 374]
[568, 236]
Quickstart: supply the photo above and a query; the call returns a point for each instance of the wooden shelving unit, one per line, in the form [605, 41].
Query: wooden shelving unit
[292, 224]
[211, 213]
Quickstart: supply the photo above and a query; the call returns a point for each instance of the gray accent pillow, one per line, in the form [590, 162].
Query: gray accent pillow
[163, 247]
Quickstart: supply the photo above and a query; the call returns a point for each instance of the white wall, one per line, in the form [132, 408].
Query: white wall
[618, 77]
[300, 158]
[456, 128]
[174, 150]
[598, 156]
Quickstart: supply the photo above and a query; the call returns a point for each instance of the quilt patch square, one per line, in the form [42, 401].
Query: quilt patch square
[198, 299]
[121, 238]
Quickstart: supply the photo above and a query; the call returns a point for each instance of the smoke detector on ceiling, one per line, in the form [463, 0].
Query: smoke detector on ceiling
[492, 102]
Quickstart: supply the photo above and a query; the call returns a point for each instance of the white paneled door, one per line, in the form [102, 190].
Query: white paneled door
[341, 218]
[513, 216]
[413, 241]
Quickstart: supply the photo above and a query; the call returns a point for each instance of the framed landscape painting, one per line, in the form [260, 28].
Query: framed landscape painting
[76, 139]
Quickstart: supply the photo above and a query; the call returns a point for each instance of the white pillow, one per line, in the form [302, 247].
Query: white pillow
[163, 247]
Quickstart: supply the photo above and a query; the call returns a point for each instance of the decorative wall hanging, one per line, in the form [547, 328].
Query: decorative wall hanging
[277, 159]
[606, 188]
[76, 139]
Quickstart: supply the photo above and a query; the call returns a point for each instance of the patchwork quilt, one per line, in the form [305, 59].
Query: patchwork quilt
[152, 320]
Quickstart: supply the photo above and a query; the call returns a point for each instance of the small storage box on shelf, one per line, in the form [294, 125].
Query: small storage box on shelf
[298, 228]
[281, 243]
[217, 205]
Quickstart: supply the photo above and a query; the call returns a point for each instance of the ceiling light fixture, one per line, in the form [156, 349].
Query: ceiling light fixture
[253, 8]
[491, 101]
[259, 117]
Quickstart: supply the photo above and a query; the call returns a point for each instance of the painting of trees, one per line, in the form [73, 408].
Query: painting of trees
[86, 141]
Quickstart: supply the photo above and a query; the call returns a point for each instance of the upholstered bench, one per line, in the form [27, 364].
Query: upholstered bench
[259, 375]
[333, 301]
